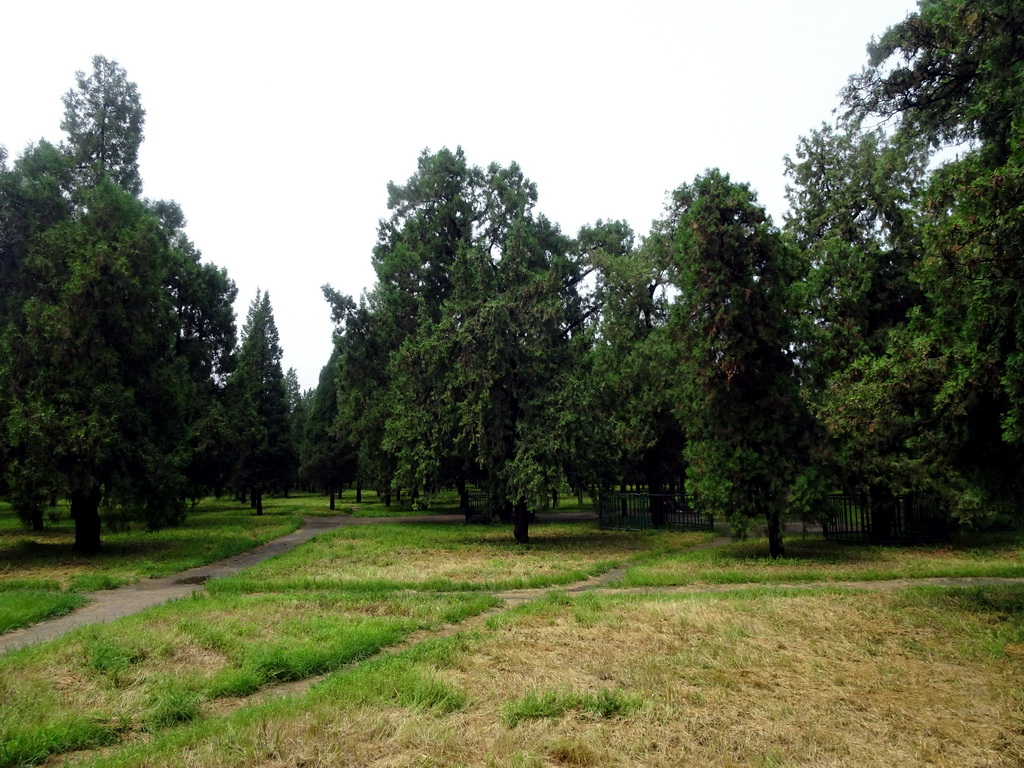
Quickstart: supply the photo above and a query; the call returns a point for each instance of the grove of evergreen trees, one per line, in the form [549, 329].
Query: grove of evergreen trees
[873, 343]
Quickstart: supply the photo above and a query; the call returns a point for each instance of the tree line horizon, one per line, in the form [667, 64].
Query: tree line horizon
[873, 343]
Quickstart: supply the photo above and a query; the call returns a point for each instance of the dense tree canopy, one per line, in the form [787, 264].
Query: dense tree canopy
[113, 332]
[873, 345]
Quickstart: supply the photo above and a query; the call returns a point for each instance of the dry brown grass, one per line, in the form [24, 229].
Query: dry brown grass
[811, 558]
[814, 679]
[425, 554]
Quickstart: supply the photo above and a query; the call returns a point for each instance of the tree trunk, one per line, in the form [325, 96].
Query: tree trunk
[257, 497]
[37, 519]
[521, 523]
[387, 498]
[460, 485]
[359, 493]
[85, 511]
[883, 515]
[332, 499]
[774, 520]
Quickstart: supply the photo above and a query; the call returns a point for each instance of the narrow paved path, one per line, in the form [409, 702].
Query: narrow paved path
[109, 604]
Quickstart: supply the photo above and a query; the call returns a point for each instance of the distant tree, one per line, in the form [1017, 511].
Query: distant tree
[738, 384]
[103, 118]
[259, 398]
[203, 296]
[328, 461]
[33, 198]
[461, 364]
[634, 357]
[505, 360]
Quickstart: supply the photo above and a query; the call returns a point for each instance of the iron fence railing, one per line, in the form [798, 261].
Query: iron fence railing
[906, 518]
[656, 511]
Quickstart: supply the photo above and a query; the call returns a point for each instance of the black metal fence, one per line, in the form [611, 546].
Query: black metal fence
[478, 509]
[909, 518]
[655, 511]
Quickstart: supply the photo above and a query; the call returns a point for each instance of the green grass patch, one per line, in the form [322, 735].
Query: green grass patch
[162, 668]
[607, 702]
[810, 558]
[22, 607]
[32, 563]
[450, 557]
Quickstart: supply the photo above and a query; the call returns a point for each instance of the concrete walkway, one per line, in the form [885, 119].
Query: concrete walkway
[109, 604]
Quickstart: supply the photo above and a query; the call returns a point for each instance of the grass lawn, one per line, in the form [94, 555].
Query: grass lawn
[773, 676]
[811, 558]
[452, 557]
[214, 529]
[767, 678]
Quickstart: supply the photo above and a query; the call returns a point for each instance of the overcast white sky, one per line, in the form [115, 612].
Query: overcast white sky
[277, 126]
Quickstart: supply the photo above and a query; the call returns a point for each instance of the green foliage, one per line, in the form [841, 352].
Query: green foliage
[31, 746]
[605, 703]
[260, 409]
[405, 680]
[327, 460]
[738, 387]
[948, 388]
[110, 327]
[171, 707]
[103, 119]
[462, 365]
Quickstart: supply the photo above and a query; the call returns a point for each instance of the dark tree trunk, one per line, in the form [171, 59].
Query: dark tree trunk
[359, 493]
[774, 520]
[37, 519]
[579, 496]
[257, 497]
[387, 498]
[332, 499]
[883, 515]
[554, 498]
[521, 523]
[460, 485]
[85, 511]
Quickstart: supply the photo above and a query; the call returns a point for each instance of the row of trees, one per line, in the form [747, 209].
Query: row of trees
[121, 387]
[873, 343]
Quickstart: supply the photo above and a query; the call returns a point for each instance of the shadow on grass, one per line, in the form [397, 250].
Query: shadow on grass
[1004, 602]
[816, 549]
